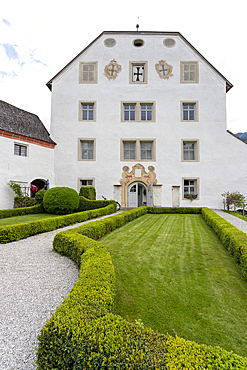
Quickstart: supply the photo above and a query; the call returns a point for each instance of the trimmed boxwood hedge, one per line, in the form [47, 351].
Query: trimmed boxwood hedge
[21, 231]
[87, 204]
[5, 213]
[83, 333]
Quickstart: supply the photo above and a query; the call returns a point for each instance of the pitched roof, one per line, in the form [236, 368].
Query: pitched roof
[139, 33]
[18, 121]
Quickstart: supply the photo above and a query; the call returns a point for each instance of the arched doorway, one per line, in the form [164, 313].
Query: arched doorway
[40, 185]
[139, 194]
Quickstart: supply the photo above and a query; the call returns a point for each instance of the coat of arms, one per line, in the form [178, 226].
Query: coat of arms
[163, 69]
[112, 69]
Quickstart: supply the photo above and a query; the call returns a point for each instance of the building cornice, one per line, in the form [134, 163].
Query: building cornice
[11, 135]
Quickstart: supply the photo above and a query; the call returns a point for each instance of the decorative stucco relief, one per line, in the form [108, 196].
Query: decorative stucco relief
[112, 69]
[138, 173]
[163, 69]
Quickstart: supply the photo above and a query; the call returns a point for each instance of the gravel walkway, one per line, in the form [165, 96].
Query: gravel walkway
[34, 281]
[235, 221]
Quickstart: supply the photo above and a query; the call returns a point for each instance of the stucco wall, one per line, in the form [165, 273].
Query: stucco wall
[39, 164]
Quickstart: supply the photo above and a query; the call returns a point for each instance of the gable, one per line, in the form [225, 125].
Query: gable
[109, 36]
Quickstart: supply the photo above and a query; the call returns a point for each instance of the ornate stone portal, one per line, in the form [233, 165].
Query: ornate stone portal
[137, 173]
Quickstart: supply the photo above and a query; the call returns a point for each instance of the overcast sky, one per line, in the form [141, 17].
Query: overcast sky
[39, 37]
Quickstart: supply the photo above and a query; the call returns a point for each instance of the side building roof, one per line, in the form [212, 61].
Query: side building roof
[142, 33]
[20, 122]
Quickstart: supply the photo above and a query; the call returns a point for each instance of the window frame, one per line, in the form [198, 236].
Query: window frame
[190, 63]
[80, 141]
[85, 179]
[196, 150]
[138, 149]
[197, 186]
[20, 145]
[81, 103]
[138, 105]
[95, 80]
[196, 110]
[141, 63]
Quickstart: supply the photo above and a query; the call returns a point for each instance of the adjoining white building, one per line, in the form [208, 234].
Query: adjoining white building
[142, 117]
[26, 155]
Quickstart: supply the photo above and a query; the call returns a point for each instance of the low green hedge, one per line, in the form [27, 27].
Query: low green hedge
[234, 240]
[87, 204]
[5, 213]
[21, 231]
[83, 333]
[173, 210]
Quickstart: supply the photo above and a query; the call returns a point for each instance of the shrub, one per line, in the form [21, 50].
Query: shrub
[88, 192]
[61, 201]
[5, 213]
[86, 204]
[235, 196]
[40, 195]
[15, 187]
[23, 201]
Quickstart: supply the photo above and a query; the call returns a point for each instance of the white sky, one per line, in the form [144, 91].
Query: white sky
[39, 37]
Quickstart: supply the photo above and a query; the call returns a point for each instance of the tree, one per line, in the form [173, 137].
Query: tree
[235, 196]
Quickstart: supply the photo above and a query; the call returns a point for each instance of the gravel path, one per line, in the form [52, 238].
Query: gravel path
[235, 221]
[34, 281]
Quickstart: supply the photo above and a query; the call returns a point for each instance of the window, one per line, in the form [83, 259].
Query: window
[189, 111]
[86, 182]
[189, 72]
[146, 150]
[138, 149]
[86, 149]
[190, 150]
[129, 112]
[146, 112]
[88, 73]
[87, 111]
[138, 72]
[20, 150]
[138, 111]
[138, 43]
[191, 188]
[129, 150]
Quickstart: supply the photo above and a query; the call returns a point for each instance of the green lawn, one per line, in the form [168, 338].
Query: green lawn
[173, 273]
[25, 218]
[239, 215]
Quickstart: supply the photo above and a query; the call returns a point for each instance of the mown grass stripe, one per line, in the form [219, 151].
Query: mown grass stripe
[174, 274]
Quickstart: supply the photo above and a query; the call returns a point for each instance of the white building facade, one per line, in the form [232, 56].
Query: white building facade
[26, 155]
[142, 117]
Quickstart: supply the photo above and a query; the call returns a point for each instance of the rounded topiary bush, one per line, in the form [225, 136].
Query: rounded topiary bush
[88, 192]
[61, 201]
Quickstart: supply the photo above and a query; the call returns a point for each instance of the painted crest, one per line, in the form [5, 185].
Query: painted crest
[163, 69]
[112, 69]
